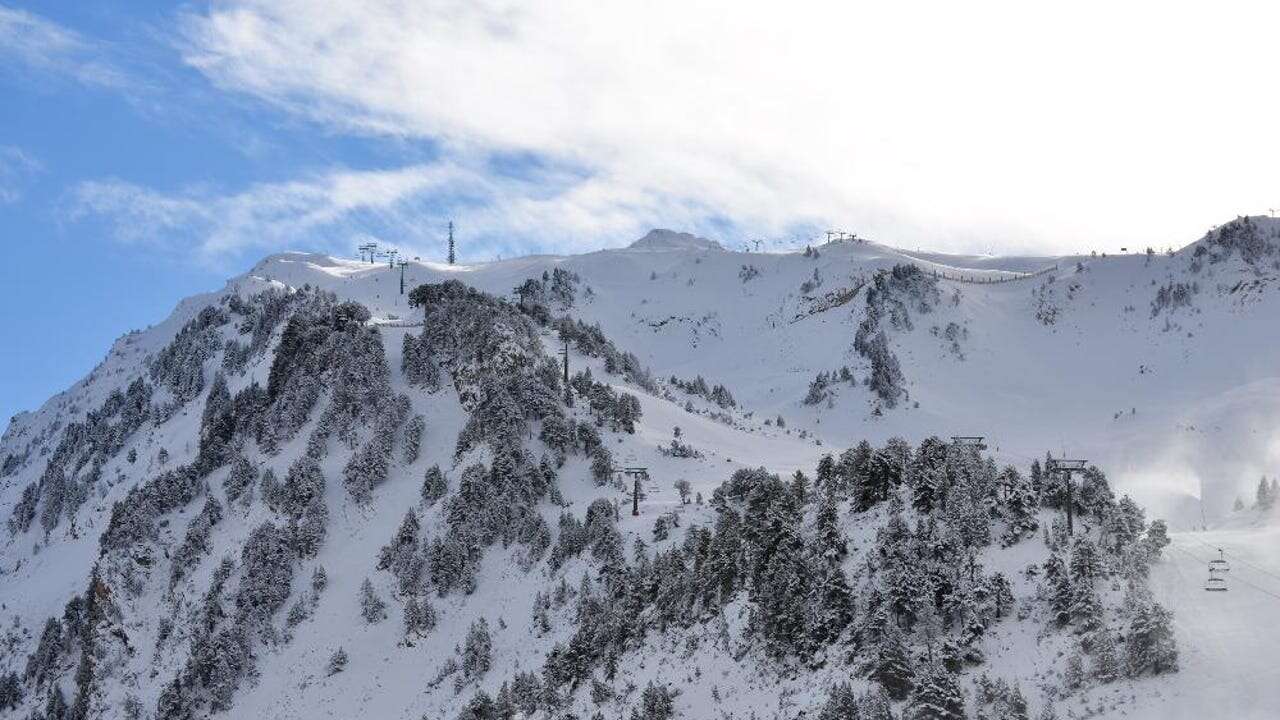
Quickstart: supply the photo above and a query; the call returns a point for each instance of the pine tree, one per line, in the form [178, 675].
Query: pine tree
[10, 690]
[434, 486]
[826, 474]
[1001, 594]
[1262, 497]
[800, 486]
[937, 697]
[1058, 589]
[1086, 610]
[1019, 506]
[891, 665]
[781, 601]
[1106, 659]
[841, 704]
[477, 653]
[904, 592]
[1016, 705]
[1150, 645]
[1073, 676]
[412, 618]
[372, 608]
[1157, 539]
[55, 708]
[337, 662]
[829, 541]
[875, 704]
[835, 603]
[1086, 564]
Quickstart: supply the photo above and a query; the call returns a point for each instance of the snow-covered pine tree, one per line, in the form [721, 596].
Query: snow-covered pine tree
[891, 666]
[1156, 540]
[337, 662]
[434, 486]
[477, 652]
[1150, 646]
[937, 697]
[372, 608]
[1057, 589]
[1018, 508]
[1106, 657]
[1262, 498]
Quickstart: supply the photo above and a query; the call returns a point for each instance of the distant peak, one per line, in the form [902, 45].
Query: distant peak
[659, 239]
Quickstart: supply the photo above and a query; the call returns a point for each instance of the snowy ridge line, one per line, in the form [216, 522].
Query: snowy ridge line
[395, 324]
[988, 280]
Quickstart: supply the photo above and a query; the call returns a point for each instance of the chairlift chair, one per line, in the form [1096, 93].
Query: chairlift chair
[1215, 583]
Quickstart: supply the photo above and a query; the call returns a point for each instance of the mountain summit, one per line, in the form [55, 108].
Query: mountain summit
[658, 239]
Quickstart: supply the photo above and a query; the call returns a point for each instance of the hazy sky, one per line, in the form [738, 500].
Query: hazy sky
[148, 152]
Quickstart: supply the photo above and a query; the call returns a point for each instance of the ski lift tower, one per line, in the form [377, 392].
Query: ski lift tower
[564, 355]
[401, 264]
[973, 441]
[1064, 469]
[636, 474]
[369, 248]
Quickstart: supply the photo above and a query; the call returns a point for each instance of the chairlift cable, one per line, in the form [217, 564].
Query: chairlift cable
[1241, 560]
[1260, 589]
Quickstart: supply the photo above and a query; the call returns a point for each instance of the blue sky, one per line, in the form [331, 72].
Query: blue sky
[113, 102]
[150, 150]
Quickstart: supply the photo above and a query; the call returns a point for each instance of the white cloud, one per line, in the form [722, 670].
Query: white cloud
[405, 207]
[1006, 125]
[16, 167]
[31, 43]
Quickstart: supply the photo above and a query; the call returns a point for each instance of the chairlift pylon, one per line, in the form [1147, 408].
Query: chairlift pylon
[1219, 564]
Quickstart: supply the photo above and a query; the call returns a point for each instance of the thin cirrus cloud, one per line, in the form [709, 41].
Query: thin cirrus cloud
[994, 125]
[16, 169]
[32, 45]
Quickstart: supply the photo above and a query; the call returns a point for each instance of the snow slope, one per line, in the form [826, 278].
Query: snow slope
[1229, 638]
[1056, 354]
[1178, 405]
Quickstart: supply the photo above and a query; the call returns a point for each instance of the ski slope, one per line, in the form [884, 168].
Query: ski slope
[1230, 640]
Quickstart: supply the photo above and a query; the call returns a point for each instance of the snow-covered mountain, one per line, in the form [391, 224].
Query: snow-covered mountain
[331, 454]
